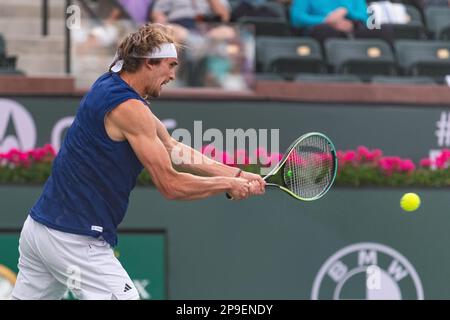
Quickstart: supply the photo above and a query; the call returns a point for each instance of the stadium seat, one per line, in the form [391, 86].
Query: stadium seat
[438, 20]
[267, 26]
[6, 61]
[296, 55]
[363, 57]
[9, 71]
[418, 4]
[2, 45]
[277, 8]
[258, 9]
[2, 49]
[414, 29]
[403, 80]
[428, 58]
[338, 78]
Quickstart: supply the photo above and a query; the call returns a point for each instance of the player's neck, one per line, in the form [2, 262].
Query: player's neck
[133, 80]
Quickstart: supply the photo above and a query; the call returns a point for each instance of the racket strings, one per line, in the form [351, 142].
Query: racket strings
[309, 169]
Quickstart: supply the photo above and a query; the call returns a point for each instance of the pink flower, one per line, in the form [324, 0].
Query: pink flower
[224, 157]
[260, 155]
[341, 158]
[425, 163]
[274, 158]
[48, 148]
[442, 159]
[33, 155]
[349, 156]
[241, 157]
[13, 156]
[386, 164]
[24, 159]
[37, 154]
[407, 166]
[396, 161]
[209, 150]
[363, 153]
[318, 159]
[326, 157]
[260, 152]
[440, 162]
[295, 159]
[445, 153]
[23, 156]
[389, 164]
[392, 164]
[374, 155]
[16, 158]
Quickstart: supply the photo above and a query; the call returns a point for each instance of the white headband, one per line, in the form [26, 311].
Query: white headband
[166, 50]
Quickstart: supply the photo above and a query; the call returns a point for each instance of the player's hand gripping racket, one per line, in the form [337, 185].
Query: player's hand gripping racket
[308, 168]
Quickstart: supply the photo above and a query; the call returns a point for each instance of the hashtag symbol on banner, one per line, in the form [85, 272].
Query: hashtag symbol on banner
[443, 131]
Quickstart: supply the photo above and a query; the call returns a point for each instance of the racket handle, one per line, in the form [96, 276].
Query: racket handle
[228, 196]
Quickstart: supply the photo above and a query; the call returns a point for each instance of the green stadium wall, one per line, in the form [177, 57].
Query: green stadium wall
[406, 131]
[272, 247]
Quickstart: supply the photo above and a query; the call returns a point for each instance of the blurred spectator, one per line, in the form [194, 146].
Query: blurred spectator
[185, 17]
[187, 13]
[386, 12]
[323, 19]
[423, 4]
[138, 10]
[202, 25]
[106, 28]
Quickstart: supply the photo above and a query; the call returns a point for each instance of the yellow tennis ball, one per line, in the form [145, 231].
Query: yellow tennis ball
[410, 202]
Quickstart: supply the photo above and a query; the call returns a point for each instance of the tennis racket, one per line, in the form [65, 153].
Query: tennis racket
[308, 168]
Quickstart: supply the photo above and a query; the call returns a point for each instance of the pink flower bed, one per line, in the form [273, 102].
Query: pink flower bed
[17, 158]
[362, 156]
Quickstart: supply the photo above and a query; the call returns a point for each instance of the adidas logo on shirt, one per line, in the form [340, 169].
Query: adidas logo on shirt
[127, 287]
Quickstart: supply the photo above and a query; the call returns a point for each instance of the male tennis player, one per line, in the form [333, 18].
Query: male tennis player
[66, 240]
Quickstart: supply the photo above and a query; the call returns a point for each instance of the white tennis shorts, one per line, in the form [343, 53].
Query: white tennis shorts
[52, 261]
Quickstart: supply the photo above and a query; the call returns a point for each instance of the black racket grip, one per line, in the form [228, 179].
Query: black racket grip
[228, 196]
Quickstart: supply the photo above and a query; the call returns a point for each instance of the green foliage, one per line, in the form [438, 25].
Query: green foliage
[366, 175]
[356, 168]
[37, 173]
[348, 176]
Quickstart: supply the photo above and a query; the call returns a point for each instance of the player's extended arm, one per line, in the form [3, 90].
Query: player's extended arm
[137, 124]
[189, 159]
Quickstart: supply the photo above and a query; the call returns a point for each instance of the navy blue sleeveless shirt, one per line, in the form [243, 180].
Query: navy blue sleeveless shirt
[92, 176]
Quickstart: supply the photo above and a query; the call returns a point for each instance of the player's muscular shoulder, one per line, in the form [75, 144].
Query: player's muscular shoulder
[130, 117]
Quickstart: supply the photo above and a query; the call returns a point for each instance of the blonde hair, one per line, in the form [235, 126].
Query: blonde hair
[140, 43]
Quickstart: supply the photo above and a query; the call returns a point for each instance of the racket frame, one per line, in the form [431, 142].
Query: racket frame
[280, 165]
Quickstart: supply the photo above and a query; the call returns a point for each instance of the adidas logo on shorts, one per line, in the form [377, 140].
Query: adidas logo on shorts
[127, 287]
